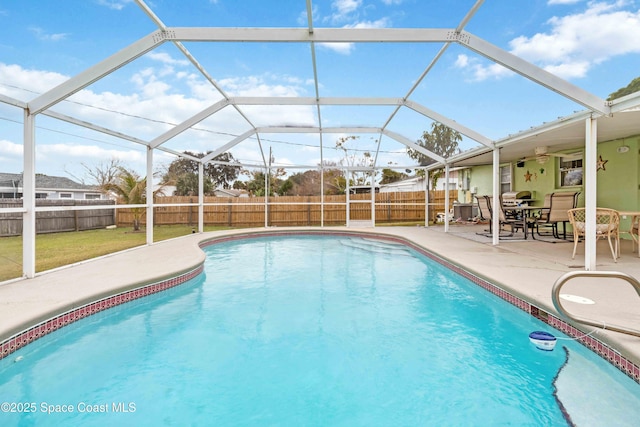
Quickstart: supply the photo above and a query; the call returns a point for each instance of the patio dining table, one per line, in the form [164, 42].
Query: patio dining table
[525, 216]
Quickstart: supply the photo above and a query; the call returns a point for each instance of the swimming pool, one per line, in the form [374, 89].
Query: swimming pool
[310, 331]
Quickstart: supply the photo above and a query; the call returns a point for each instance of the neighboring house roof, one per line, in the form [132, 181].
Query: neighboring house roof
[223, 192]
[406, 181]
[44, 182]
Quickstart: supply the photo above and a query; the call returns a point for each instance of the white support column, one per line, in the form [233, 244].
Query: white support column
[321, 194]
[266, 194]
[149, 196]
[348, 199]
[200, 197]
[589, 171]
[29, 198]
[426, 198]
[446, 198]
[495, 217]
[373, 198]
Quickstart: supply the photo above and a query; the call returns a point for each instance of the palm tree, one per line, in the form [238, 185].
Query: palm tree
[131, 189]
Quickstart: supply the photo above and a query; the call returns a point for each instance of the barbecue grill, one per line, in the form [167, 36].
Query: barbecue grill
[515, 198]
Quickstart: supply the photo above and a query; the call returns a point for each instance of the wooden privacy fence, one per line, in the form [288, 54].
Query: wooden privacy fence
[57, 220]
[291, 210]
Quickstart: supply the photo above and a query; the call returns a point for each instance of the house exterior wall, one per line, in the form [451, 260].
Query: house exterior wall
[481, 179]
[74, 194]
[48, 187]
[413, 184]
[403, 186]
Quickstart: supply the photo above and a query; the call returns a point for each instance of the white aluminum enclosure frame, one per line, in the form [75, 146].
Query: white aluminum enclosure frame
[595, 106]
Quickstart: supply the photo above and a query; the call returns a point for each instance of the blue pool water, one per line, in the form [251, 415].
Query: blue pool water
[306, 331]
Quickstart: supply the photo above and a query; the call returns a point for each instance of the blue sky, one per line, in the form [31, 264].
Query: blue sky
[593, 44]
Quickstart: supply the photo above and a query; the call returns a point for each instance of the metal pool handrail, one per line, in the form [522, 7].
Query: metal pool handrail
[555, 296]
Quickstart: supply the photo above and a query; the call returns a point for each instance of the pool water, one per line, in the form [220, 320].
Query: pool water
[326, 331]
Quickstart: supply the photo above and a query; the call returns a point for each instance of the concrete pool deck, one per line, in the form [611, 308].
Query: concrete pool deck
[526, 269]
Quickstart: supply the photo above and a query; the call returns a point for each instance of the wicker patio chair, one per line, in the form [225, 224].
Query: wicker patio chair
[607, 226]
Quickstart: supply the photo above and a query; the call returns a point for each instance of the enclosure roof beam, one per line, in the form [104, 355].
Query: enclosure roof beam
[450, 123]
[92, 126]
[315, 129]
[235, 141]
[187, 124]
[92, 74]
[110, 132]
[406, 141]
[350, 130]
[12, 101]
[290, 100]
[319, 35]
[534, 73]
[626, 102]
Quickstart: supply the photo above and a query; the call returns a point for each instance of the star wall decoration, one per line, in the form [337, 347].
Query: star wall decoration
[601, 163]
[527, 176]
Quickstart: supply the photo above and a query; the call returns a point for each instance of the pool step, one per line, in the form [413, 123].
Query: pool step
[376, 246]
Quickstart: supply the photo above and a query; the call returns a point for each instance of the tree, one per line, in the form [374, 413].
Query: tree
[335, 182]
[102, 175]
[131, 189]
[305, 183]
[255, 186]
[353, 160]
[442, 140]
[218, 175]
[188, 185]
[632, 87]
[389, 176]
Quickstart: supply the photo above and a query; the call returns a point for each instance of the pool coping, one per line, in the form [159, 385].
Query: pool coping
[186, 264]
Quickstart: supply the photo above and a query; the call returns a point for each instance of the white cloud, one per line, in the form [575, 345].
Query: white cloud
[380, 23]
[10, 149]
[462, 61]
[89, 152]
[577, 42]
[17, 79]
[42, 35]
[341, 48]
[345, 7]
[479, 70]
[165, 58]
[114, 4]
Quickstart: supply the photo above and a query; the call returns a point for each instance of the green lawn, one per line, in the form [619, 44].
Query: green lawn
[58, 249]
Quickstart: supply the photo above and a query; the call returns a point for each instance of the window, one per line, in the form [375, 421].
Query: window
[505, 178]
[570, 169]
[92, 196]
[10, 195]
[65, 196]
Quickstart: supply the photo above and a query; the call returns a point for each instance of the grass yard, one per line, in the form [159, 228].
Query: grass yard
[58, 249]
